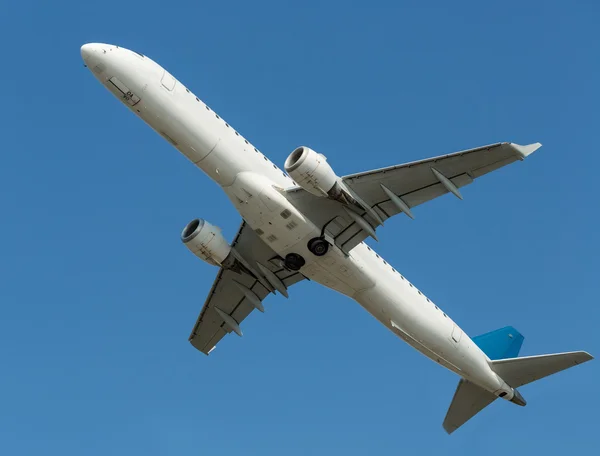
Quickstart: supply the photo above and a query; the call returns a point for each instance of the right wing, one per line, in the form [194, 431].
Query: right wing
[412, 183]
[229, 298]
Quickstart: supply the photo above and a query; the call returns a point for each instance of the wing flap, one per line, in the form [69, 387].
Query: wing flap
[423, 194]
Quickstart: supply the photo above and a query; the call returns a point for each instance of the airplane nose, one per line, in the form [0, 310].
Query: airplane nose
[94, 53]
[87, 51]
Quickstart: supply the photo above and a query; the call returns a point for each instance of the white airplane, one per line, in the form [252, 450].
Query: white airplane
[309, 223]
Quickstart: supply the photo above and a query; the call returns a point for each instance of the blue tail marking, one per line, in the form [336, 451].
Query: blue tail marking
[502, 343]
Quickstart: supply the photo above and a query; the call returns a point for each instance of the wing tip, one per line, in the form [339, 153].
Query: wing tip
[585, 356]
[525, 151]
[449, 428]
[201, 348]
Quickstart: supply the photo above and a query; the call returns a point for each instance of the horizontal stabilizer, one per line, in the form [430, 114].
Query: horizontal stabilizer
[469, 399]
[521, 371]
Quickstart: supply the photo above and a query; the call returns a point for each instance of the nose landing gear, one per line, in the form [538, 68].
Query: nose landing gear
[318, 246]
[293, 261]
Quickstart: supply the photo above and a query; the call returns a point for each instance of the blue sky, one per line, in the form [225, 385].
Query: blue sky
[99, 295]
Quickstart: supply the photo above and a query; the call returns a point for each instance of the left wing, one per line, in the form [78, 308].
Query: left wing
[388, 191]
[228, 303]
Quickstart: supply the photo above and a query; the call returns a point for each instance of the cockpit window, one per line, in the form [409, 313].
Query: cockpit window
[141, 55]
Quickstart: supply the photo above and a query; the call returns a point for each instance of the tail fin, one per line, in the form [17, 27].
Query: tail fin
[469, 399]
[521, 371]
[502, 343]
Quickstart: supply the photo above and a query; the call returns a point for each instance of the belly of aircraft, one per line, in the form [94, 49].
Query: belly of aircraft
[286, 230]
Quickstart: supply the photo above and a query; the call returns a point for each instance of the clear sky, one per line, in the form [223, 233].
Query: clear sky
[99, 295]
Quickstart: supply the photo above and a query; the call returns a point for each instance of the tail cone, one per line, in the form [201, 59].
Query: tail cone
[518, 399]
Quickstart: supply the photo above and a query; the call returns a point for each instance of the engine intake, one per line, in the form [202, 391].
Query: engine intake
[311, 171]
[206, 242]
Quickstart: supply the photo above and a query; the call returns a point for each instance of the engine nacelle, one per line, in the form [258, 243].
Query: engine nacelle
[206, 241]
[311, 171]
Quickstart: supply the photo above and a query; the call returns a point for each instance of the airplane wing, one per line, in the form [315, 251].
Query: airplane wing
[385, 192]
[228, 303]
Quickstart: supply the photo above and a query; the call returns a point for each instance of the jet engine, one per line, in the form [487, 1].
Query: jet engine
[311, 171]
[206, 242]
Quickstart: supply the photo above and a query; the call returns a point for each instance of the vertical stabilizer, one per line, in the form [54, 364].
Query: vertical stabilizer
[502, 343]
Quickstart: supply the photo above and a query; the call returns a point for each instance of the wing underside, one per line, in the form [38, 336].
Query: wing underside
[411, 183]
[228, 299]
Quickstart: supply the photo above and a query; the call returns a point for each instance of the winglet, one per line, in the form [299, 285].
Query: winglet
[525, 151]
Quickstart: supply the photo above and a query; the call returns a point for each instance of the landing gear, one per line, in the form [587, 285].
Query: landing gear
[293, 261]
[318, 246]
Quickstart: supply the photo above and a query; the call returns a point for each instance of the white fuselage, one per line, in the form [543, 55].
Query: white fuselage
[251, 182]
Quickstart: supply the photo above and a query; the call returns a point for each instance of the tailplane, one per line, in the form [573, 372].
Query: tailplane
[469, 399]
[502, 347]
[521, 371]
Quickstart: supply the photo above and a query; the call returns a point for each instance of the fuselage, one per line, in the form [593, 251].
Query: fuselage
[255, 187]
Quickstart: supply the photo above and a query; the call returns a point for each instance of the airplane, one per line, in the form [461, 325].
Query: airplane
[306, 222]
